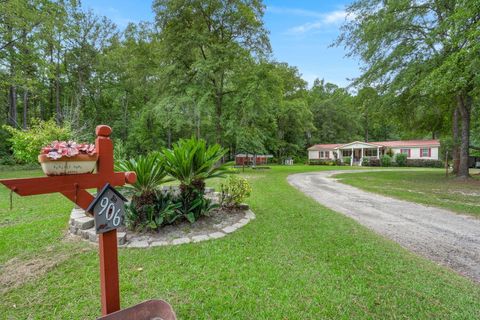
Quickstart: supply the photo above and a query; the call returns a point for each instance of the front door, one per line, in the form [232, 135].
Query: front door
[357, 154]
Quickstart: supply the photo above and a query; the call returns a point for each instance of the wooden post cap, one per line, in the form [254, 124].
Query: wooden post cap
[103, 131]
[130, 177]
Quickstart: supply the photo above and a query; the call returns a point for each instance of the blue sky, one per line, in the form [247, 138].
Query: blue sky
[300, 33]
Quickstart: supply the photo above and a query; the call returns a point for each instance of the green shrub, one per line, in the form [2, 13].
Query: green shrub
[386, 160]
[195, 205]
[234, 191]
[191, 162]
[401, 159]
[366, 162]
[7, 159]
[347, 160]
[426, 163]
[163, 211]
[26, 144]
[323, 162]
[119, 151]
[374, 162]
[151, 174]
[5, 144]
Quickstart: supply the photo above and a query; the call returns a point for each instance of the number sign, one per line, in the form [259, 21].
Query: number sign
[108, 209]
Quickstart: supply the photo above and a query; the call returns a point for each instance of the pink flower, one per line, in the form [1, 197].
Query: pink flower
[54, 155]
[58, 149]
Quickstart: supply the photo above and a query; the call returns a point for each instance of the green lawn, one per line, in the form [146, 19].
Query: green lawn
[297, 260]
[429, 187]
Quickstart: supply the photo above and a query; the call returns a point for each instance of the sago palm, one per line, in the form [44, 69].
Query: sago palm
[191, 162]
[151, 173]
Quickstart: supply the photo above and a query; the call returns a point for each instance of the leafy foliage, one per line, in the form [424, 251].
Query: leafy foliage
[385, 160]
[151, 173]
[428, 163]
[26, 144]
[163, 211]
[424, 58]
[191, 162]
[366, 162]
[234, 191]
[401, 159]
[194, 205]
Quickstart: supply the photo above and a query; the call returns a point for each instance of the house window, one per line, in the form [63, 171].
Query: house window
[370, 152]
[321, 154]
[405, 151]
[327, 154]
[425, 152]
[347, 153]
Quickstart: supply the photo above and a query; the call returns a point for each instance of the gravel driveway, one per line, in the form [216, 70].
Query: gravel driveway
[450, 239]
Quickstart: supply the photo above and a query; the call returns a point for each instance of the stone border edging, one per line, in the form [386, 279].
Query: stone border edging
[83, 226]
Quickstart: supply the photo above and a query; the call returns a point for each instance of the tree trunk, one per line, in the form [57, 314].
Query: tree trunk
[58, 110]
[12, 114]
[25, 108]
[366, 127]
[42, 111]
[197, 121]
[125, 117]
[218, 113]
[465, 103]
[169, 137]
[455, 136]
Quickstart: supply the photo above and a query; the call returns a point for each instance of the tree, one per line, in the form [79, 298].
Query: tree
[204, 40]
[420, 49]
[334, 114]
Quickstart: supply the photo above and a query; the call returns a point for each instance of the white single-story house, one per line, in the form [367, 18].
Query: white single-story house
[357, 150]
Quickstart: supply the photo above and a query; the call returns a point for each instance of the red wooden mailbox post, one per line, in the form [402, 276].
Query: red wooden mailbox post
[74, 188]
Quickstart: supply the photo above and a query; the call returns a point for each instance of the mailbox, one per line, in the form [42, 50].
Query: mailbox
[147, 310]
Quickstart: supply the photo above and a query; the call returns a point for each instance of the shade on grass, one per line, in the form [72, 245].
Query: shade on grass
[297, 260]
[429, 187]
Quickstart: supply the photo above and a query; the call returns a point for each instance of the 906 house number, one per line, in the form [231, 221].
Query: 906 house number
[111, 212]
[108, 209]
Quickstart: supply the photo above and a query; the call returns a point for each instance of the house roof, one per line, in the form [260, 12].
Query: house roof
[390, 144]
[324, 146]
[367, 144]
[409, 143]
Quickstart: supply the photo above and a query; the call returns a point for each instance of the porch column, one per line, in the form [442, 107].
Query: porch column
[378, 152]
[361, 158]
[351, 158]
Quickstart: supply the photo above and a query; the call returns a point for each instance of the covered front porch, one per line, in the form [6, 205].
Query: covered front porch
[356, 151]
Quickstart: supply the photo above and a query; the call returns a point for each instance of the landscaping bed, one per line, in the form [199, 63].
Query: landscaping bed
[217, 224]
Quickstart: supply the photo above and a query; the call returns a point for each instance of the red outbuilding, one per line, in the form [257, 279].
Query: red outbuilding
[248, 159]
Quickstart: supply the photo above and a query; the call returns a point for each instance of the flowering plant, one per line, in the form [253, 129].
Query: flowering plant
[58, 149]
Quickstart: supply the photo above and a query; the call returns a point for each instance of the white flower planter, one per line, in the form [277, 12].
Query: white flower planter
[78, 164]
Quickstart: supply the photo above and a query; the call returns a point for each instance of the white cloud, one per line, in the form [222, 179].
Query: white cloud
[335, 16]
[322, 19]
[327, 19]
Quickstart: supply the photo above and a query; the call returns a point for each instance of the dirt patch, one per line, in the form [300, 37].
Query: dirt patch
[17, 271]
